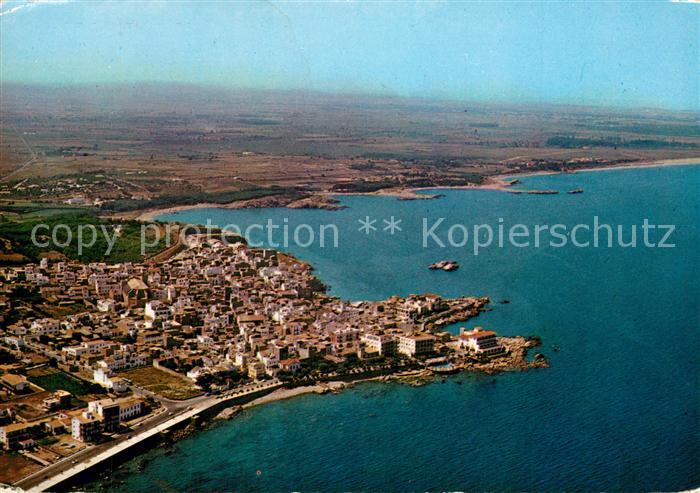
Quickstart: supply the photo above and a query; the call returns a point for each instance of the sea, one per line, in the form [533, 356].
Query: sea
[618, 409]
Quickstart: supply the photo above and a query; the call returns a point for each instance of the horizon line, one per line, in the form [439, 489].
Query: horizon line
[527, 102]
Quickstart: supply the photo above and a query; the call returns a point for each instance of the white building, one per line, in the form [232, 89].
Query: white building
[384, 344]
[14, 341]
[106, 305]
[88, 347]
[480, 341]
[130, 408]
[45, 326]
[123, 360]
[155, 310]
[195, 373]
[416, 345]
[74, 351]
[86, 427]
[240, 360]
[105, 377]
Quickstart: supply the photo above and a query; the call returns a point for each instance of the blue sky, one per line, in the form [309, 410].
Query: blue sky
[610, 53]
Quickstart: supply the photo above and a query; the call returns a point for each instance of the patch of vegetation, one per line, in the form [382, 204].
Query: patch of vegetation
[14, 466]
[317, 363]
[42, 209]
[124, 205]
[50, 440]
[162, 382]
[572, 142]
[680, 130]
[363, 166]
[26, 294]
[484, 125]
[53, 380]
[232, 377]
[127, 247]
[363, 186]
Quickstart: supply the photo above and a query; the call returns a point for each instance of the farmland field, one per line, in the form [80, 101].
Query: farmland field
[52, 379]
[160, 145]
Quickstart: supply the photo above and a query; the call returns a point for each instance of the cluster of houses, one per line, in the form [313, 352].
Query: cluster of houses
[214, 307]
[78, 190]
[85, 425]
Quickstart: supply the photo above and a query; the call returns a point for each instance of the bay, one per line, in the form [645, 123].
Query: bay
[619, 409]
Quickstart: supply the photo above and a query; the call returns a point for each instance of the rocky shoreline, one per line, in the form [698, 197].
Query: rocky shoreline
[514, 359]
[459, 310]
[315, 201]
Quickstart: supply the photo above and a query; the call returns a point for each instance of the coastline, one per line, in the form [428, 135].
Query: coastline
[288, 393]
[216, 408]
[494, 182]
[228, 409]
[200, 409]
[501, 183]
[662, 163]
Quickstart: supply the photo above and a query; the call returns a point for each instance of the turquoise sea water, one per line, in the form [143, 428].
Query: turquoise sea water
[617, 410]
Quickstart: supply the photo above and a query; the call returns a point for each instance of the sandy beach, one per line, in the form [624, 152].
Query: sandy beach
[284, 393]
[151, 214]
[648, 164]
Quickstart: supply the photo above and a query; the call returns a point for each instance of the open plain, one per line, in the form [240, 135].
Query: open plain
[126, 148]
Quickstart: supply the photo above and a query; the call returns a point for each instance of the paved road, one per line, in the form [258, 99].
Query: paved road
[175, 412]
[85, 455]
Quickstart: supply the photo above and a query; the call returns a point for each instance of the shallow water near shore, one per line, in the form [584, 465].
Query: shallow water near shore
[617, 410]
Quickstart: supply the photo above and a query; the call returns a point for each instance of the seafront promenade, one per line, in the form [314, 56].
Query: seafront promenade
[53, 477]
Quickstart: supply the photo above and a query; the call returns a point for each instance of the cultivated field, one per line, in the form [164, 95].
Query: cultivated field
[154, 145]
[52, 379]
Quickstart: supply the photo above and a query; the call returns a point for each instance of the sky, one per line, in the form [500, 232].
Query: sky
[601, 53]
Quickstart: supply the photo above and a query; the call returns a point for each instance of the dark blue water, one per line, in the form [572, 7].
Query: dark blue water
[617, 410]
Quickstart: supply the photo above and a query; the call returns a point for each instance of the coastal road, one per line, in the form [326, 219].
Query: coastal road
[46, 479]
[84, 456]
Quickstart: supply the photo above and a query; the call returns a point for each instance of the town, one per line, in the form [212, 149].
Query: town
[137, 340]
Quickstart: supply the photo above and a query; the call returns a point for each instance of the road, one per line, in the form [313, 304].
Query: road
[174, 412]
[32, 153]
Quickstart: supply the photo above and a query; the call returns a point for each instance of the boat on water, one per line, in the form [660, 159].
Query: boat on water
[575, 190]
[446, 265]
